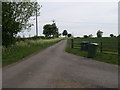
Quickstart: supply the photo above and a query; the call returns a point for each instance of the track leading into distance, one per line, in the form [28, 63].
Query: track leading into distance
[54, 68]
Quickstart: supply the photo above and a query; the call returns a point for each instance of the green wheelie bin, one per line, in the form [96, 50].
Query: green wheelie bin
[84, 45]
[92, 50]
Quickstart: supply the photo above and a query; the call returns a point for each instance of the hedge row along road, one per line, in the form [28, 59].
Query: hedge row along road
[54, 68]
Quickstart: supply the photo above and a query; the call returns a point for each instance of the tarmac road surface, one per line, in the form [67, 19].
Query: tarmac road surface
[54, 68]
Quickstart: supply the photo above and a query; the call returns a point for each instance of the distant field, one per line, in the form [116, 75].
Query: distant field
[109, 43]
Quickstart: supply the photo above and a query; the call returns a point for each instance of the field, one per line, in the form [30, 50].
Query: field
[24, 48]
[109, 47]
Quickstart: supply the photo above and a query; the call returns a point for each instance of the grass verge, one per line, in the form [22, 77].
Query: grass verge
[108, 58]
[24, 48]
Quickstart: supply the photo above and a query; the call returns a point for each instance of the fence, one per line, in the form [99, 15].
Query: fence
[104, 47]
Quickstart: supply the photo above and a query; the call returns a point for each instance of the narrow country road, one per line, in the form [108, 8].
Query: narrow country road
[54, 68]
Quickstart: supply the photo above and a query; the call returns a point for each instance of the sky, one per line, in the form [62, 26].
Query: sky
[78, 18]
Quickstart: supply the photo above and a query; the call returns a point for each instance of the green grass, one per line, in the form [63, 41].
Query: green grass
[0, 56]
[108, 58]
[24, 48]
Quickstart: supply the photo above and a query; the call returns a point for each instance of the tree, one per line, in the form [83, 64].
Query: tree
[55, 32]
[0, 23]
[69, 35]
[111, 35]
[15, 17]
[85, 36]
[99, 33]
[50, 30]
[65, 33]
[47, 30]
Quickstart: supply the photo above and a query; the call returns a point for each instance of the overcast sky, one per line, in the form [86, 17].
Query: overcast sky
[79, 18]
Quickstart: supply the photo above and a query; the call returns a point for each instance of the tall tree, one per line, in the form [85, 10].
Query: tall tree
[15, 17]
[55, 32]
[50, 30]
[0, 15]
[65, 33]
[99, 33]
[47, 30]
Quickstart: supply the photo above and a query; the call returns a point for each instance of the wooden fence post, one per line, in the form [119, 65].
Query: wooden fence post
[118, 48]
[101, 47]
[72, 43]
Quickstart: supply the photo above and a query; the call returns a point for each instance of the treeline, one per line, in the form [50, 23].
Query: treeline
[51, 30]
[99, 34]
[15, 17]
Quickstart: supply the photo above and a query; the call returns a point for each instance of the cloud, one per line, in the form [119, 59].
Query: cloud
[80, 18]
[79, 0]
[82, 12]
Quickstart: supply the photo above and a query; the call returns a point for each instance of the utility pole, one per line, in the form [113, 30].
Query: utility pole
[36, 24]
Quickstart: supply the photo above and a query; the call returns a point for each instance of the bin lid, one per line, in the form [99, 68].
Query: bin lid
[96, 44]
[85, 42]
